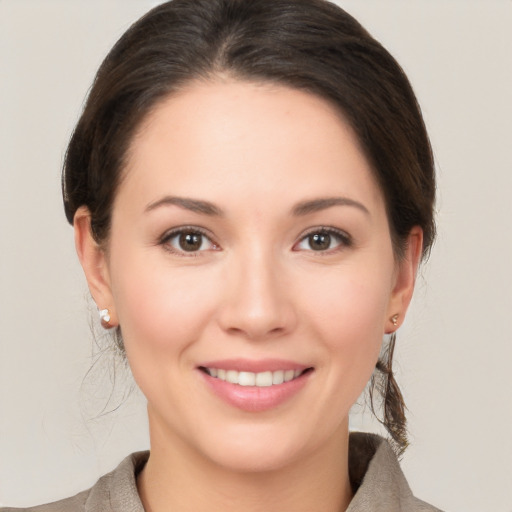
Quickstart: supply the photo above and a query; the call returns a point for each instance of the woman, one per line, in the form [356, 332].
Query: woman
[251, 187]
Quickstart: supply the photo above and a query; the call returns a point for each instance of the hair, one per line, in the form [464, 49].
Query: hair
[309, 45]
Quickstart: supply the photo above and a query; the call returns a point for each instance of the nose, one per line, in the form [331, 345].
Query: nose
[257, 299]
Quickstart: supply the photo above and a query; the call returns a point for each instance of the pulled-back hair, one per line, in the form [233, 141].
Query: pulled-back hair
[310, 45]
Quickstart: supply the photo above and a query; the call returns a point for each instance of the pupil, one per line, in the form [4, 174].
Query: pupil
[190, 241]
[320, 241]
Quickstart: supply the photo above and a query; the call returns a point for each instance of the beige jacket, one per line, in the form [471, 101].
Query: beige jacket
[375, 474]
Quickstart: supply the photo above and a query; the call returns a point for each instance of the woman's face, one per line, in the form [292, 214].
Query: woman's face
[249, 242]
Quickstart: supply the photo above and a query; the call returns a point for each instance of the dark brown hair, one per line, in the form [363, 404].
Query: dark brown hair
[311, 45]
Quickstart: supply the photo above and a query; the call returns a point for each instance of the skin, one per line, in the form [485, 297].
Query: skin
[256, 289]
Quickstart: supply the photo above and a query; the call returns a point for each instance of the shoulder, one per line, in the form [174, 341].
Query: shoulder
[378, 482]
[113, 492]
[72, 504]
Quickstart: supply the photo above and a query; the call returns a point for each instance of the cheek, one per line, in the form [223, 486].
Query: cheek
[162, 313]
[350, 302]
[348, 313]
[160, 308]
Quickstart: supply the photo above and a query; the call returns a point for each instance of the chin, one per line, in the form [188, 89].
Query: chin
[255, 457]
[267, 447]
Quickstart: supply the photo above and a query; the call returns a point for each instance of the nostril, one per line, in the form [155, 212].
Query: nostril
[256, 330]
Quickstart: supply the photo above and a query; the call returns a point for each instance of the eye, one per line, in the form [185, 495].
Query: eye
[187, 240]
[323, 240]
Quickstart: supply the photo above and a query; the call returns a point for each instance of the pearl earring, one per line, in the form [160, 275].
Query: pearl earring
[394, 319]
[105, 318]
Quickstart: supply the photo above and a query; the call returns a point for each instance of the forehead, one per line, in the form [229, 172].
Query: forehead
[247, 138]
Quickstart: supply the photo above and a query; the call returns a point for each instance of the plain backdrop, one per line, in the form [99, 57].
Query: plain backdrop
[454, 353]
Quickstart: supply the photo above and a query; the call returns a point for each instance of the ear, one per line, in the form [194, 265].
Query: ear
[94, 263]
[404, 280]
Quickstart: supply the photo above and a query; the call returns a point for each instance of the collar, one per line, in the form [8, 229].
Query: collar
[377, 481]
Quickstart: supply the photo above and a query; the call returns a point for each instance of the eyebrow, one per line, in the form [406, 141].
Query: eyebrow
[302, 208]
[316, 205]
[193, 205]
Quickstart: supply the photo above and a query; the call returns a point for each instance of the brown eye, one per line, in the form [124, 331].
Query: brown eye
[324, 239]
[319, 241]
[190, 241]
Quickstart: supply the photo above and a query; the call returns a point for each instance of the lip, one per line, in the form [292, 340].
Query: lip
[254, 398]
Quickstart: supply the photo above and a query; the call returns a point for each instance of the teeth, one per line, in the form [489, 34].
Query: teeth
[232, 376]
[264, 379]
[278, 377]
[288, 375]
[261, 379]
[247, 379]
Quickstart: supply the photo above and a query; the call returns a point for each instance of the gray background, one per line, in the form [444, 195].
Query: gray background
[455, 351]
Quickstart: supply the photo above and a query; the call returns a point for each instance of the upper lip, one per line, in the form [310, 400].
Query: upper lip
[253, 365]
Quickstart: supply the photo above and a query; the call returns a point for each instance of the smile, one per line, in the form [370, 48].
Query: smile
[260, 379]
[255, 386]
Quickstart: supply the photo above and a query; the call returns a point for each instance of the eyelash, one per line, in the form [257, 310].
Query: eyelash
[343, 238]
[185, 230]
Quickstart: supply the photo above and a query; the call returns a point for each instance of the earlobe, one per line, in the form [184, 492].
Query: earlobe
[94, 262]
[405, 279]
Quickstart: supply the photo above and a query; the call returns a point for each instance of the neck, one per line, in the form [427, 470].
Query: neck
[177, 478]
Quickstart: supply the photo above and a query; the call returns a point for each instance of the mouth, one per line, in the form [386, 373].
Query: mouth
[263, 379]
[255, 385]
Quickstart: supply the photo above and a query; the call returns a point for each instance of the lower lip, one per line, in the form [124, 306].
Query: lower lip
[254, 398]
